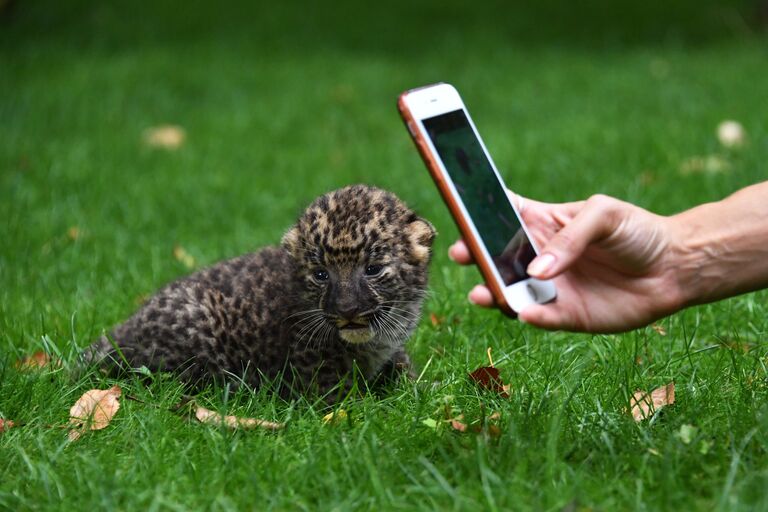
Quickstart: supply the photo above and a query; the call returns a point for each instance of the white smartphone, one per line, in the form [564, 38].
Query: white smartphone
[475, 194]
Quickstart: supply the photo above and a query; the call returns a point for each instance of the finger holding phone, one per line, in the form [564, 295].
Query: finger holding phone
[614, 265]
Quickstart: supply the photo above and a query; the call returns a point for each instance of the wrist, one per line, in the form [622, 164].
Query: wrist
[690, 262]
[720, 248]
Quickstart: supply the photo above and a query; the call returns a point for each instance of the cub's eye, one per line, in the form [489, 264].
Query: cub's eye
[321, 275]
[373, 270]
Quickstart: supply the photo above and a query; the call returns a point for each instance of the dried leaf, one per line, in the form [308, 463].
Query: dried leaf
[731, 134]
[487, 377]
[456, 424]
[204, 415]
[37, 360]
[736, 345]
[686, 433]
[6, 425]
[436, 320]
[93, 411]
[659, 329]
[165, 136]
[493, 430]
[335, 417]
[643, 405]
[183, 257]
[710, 164]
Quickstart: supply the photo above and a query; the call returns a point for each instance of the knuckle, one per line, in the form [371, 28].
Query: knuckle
[609, 208]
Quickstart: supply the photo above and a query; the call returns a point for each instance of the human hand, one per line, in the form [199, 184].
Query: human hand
[612, 263]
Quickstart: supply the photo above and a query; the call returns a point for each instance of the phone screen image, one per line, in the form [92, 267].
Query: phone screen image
[482, 193]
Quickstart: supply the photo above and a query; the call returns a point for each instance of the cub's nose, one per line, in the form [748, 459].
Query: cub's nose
[347, 311]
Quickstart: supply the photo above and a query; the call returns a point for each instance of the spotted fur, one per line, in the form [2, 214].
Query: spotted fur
[342, 291]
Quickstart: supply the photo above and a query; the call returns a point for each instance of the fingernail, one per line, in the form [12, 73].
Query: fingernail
[541, 264]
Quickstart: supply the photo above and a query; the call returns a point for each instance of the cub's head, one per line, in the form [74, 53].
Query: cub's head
[362, 258]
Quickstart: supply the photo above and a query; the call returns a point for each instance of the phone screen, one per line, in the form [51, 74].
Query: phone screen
[482, 193]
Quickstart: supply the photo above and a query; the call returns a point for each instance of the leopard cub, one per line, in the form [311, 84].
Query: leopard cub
[342, 291]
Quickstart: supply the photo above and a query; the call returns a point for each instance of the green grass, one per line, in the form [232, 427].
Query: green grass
[282, 104]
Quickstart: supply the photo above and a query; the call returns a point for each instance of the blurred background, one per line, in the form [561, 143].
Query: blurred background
[140, 140]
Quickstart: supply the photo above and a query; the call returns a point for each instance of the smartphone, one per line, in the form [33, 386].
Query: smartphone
[475, 194]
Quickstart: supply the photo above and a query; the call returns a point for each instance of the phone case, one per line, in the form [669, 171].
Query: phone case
[450, 201]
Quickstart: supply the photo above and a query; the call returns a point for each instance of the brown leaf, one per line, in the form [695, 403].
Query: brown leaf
[93, 411]
[736, 345]
[659, 329]
[493, 430]
[436, 320]
[37, 360]
[6, 425]
[456, 424]
[183, 257]
[165, 136]
[335, 417]
[204, 415]
[710, 164]
[643, 405]
[487, 377]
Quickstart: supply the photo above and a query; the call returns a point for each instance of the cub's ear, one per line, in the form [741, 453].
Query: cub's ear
[290, 240]
[421, 234]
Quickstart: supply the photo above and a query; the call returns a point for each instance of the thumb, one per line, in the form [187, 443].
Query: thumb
[595, 221]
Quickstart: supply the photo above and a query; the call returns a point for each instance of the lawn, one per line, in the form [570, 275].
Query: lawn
[281, 103]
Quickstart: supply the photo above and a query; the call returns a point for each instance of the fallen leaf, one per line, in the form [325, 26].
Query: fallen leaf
[335, 417]
[493, 430]
[183, 257]
[736, 345]
[711, 164]
[93, 411]
[456, 424]
[643, 405]
[6, 425]
[686, 433]
[204, 415]
[168, 136]
[731, 134]
[429, 422]
[487, 377]
[37, 360]
[436, 320]
[659, 329]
